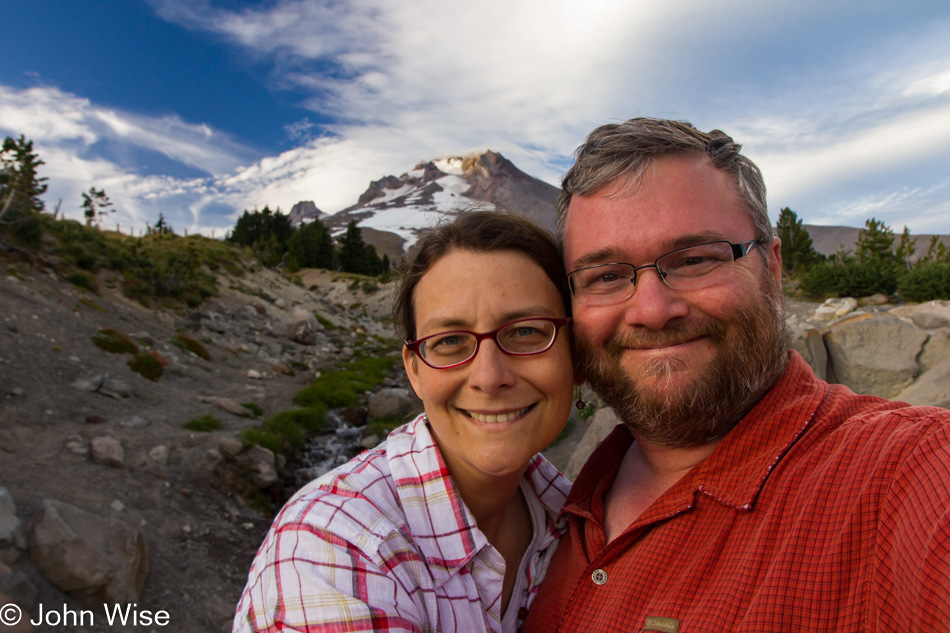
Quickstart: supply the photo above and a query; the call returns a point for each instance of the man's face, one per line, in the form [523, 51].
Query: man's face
[680, 367]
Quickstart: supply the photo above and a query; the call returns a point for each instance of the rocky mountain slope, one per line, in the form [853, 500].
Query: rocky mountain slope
[79, 427]
[393, 210]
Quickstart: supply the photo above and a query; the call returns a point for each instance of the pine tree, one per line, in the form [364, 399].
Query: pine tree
[875, 242]
[20, 187]
[161, 226]
[311, 246]
[798, 252]
[95, 205]
[906, 248]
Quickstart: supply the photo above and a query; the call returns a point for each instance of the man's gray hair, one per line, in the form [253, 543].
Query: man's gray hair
[625, 150]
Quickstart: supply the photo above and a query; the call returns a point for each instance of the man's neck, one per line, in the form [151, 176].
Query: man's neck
[646, 472]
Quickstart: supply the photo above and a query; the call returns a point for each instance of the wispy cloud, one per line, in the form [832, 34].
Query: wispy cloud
[831, 100]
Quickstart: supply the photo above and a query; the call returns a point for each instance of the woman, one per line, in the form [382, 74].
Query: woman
[449, 524]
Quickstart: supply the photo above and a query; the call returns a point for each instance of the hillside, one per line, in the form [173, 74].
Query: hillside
[181, 488]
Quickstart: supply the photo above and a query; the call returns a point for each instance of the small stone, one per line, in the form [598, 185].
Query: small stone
[107, 451]
[117, 505]
[159, 454]
[135, 422]
[253, 373]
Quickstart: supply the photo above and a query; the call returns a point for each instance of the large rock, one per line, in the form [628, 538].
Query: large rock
[260, 466]
[875, 354]
[808, 341]
[599, 427]
[931, 388]
[304, 328]
[393, 402]
[95, 559]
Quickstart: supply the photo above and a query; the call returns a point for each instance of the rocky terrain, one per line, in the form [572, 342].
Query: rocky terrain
[77, 426]
[104, 495]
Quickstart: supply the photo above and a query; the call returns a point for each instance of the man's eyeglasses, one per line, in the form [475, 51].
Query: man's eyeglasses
[523, 337]
[682, 269]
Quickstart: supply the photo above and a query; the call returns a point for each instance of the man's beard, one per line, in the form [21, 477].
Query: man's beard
[751, 354]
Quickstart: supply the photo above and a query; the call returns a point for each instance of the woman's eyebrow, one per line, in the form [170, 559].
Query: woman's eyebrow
[454, 323]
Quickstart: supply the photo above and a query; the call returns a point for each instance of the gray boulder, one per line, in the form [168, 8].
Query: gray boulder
[94, 559]
[875, 355]
[393, 402]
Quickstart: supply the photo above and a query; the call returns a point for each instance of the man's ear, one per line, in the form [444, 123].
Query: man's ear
[774, 251]
[411, 364]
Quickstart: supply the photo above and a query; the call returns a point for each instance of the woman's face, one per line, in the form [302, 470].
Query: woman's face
[530, 395]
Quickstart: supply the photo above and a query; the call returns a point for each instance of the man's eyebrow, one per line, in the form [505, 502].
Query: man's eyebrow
[612, 255]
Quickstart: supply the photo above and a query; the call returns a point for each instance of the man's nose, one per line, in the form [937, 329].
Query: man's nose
[653, 303]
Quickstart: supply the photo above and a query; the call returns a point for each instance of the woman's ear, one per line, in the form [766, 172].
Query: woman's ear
[411, 364]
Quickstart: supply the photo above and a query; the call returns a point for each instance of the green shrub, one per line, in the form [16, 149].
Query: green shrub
[88, 261]
[927, 282]
[114, 342]
[848, 277]
[84, 280]
[149, 365]
[195, 347]
[204, 424]
[253, 407]
[288, 429]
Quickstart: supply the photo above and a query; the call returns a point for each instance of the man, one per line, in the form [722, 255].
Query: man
[741, 493]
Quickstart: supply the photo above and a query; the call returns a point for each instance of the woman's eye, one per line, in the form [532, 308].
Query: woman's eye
[445, 341]
[525, 330]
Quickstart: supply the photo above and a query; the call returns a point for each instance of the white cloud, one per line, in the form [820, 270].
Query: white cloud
[414, 80]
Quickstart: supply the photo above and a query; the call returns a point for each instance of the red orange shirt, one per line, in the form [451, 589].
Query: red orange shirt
[821, 511]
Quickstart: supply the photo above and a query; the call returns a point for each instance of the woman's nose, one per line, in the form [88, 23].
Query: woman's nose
[491, 368]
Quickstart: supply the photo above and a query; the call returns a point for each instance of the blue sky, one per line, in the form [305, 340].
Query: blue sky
[199, 109]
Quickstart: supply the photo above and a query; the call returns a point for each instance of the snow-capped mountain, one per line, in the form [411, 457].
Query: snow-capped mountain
[393, 211]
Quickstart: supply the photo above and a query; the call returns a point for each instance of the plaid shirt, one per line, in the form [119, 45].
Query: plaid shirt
[821, 511]
[385, 543]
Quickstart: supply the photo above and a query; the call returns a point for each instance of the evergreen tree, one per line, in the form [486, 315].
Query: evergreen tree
[798, 252]
[875, 242]
[266, 232]
[161, 226]
[311, 246]
[20, 187]
[937, 251]
[906, 248]
[95, 205]
[355, 256]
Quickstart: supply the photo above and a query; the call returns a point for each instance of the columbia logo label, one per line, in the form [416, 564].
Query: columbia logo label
[666, 625]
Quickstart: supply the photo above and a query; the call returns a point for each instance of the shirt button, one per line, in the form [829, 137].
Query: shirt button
[599, 577]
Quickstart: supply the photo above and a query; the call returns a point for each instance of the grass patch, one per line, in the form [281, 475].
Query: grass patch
[384, 426]
[325, 322]
[114, 342]
[343, 387]
[149, 365]
[195, 347]
[287, 430]
[204, 424]
[89, 303]
[253, 408]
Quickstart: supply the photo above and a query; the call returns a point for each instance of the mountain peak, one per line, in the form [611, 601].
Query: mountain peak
[397, 209]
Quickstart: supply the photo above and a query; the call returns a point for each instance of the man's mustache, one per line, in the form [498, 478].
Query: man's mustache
[675, 333]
